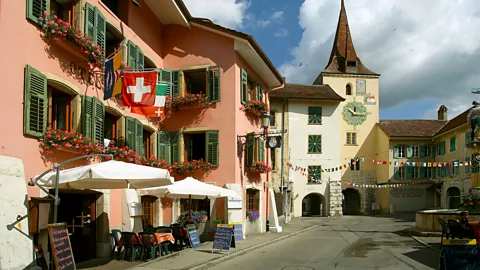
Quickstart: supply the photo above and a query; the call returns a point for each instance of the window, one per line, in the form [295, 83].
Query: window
[64, 10]
[314, 115]
[59, 110]
[273, 157]
[351, 138]
[112, 132]
[453, 144]
[203, 145]
[314, 144]
[195, 81]
[400, 172]
[454, 170]
[314, 174]
[255, 150]
[415, 172]
[149, 64]
[399, 151]
[147, 144]
[467, 138]
[429, 150]
[197, 205]
[441, 148]
[467, 167]
[249, 90]
[113, 41]
[428, 172]
[361, 86]
[136, 58]
[351, 66]
[134, 134]
[348, 90]
[415, 151]
[273, 123]
[354, 164]
[253, 199]
[204, 81]
[95, 25]
[148, 209]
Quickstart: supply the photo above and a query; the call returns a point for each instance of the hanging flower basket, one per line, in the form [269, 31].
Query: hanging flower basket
[253, 215]
[260, 167]
[175, 103]
[57, 29]
[255, 107]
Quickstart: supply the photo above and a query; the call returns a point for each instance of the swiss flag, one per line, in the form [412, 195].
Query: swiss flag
[139, 88]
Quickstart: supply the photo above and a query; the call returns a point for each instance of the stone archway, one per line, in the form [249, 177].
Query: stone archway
[453, 197]
[314, 204]
[351, 201]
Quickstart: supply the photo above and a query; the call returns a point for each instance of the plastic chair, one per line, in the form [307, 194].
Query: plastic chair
[455, 228]
[148, 245]
[445, 229]
[128, 238]
[116, 234]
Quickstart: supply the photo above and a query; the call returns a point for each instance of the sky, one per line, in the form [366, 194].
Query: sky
[427, 51]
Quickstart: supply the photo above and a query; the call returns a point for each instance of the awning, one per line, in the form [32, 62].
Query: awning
[189, 188]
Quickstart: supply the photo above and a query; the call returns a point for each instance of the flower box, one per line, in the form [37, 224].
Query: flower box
[253, 215]
[260, 167]
[255, 107]
[191, 101]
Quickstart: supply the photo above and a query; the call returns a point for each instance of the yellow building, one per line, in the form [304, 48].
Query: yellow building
[436, 152]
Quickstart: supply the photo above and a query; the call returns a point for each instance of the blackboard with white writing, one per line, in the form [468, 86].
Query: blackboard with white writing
[61, 247]
[238, 231]
[460, 257]
[192, 232]
[224, 238]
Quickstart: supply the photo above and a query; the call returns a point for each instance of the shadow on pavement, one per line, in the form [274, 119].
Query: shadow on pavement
[425, 256]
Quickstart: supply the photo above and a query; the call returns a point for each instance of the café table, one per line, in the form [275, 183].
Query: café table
[160, 237]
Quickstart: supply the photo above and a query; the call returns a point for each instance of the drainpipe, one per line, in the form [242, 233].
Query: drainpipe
[267, 159]
[282, 156]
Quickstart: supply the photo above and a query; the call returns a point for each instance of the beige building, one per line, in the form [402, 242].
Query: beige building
[430, 144]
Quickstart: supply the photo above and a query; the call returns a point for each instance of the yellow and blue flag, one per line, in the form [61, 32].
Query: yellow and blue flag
[113, 84]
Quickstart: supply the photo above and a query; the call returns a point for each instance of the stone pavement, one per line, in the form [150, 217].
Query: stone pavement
[202, 257]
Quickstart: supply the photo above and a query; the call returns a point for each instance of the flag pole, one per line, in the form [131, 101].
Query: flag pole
[112, 55]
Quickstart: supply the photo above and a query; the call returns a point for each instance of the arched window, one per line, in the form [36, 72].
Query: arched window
[348, 90]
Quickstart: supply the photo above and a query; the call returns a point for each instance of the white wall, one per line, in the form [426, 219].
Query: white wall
[298, 147]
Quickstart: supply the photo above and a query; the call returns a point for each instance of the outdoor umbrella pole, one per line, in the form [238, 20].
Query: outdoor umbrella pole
[190, 204]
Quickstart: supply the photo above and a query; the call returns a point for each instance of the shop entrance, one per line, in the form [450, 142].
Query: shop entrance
[78, 210]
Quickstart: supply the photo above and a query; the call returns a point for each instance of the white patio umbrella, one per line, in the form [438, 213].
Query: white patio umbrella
[189, 188]
[109, 175]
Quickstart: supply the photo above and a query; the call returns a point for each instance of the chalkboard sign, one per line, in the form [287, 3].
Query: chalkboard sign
[238, 231]
[194, 239]
[61, 247]
[224, 238]
[459, 257]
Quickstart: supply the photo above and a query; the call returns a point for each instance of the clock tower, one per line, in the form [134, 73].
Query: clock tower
[351, 79]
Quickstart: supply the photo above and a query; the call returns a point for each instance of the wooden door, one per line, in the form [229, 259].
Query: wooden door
[148, 209]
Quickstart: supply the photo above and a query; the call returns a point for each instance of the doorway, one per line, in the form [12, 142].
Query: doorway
[313, 205]
[351, 201]
[148, 209]
[78, 210]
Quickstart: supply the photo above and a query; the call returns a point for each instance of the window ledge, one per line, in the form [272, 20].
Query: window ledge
[314, 153]
[350, 144]
[313, 184]
[69, 47]
[313, 124]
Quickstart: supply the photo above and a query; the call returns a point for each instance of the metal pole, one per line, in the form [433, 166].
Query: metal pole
[282, 162]
[57, 199]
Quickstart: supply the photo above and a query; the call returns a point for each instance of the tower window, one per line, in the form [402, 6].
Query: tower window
[348, 90]
[351, 66]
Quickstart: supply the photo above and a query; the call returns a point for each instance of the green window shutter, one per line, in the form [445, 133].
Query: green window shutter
[314, 143]
[467, 168]
[175, 83]
[132, 55]
[422, 151]
[434, 150]
[442, 171]
[243, 86]
[409, 172]
[98, 121]
[395, 151]
[35, 9]
[140, 59]
[139, 138]
[467, 138]
[315, 115]
[88, 113]
[442, 148]
[434, 172]
[456, 169]
[166, 77]
[36, 103]
[214, 84]
[100, 29]
[130, 133]
[175, 149]
[260, 92]
[250, 150]
[453, 144]
[90, 21]
[164, 146]
[261, 150]
[409, 151]
[314, 173]
[212, 147]
[423, 172]
[396, 173]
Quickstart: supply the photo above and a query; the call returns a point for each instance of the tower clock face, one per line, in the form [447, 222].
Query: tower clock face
[354, 113]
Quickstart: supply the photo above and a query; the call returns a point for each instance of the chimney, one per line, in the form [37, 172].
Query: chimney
[442, 113]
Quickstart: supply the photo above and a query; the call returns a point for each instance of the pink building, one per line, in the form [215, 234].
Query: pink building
[50, 85]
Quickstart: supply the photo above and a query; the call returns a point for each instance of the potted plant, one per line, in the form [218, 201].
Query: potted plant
[253, 215]
[198, 216]
[213, 230]
[260, 167]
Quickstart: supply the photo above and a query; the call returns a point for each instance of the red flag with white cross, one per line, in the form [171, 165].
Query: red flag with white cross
[139, 88]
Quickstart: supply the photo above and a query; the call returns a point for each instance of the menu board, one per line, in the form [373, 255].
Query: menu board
[224, 238]
[61, 247]
[194, 239]
[237, 231]
[459, 256]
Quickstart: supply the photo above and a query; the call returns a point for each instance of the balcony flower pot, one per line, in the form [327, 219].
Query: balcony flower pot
[255, 107]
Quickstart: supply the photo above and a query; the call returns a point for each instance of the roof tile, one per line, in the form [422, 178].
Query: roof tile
[304, 91]
[411, 128]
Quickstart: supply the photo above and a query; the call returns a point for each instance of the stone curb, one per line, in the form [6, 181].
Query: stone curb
[416, 232]
[424, 243]
[156, 260]
[213, 262]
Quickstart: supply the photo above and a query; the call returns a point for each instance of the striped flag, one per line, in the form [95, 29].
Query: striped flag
[158, 109]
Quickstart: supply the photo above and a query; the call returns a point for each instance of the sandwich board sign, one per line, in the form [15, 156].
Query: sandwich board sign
[224, 238]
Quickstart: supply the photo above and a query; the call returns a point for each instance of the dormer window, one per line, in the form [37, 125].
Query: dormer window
[351, 66]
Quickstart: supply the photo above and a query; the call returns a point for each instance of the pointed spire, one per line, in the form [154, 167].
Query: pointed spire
[343, 58]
